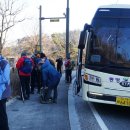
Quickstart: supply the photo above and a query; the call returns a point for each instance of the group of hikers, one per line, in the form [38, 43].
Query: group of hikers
[35, 71]
[43, 74]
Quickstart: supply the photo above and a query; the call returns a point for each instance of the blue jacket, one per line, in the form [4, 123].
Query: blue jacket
[50, 76]
[5, 90]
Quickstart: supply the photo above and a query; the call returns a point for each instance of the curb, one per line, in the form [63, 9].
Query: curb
[73, 117]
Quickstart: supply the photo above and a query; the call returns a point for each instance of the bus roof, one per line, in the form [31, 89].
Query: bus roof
[124, 6]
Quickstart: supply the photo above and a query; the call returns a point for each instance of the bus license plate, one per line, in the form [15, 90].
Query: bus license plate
[123, 101]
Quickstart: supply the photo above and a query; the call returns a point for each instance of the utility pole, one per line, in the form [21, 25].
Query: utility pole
[67, 30]
[40, 28]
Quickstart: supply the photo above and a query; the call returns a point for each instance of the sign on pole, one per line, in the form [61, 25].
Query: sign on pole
[54, 20]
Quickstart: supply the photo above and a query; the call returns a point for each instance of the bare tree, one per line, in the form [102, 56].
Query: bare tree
[9, 11]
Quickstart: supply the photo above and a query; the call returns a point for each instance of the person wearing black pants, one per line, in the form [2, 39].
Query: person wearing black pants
[68, 70]
[69, 75]
[3, 115]
[39, 80]
[36, 80]
[50, 78]
[25, 66]
[25, 84]
[54, 90]
[59, 64]
[36, 74]
[33, 80]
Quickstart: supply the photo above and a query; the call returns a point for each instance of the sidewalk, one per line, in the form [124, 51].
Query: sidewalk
[73, 115]
[32, 115]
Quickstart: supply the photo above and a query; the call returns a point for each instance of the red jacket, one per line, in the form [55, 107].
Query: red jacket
[19, 64]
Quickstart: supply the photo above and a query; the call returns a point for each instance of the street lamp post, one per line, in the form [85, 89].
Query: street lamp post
[40, 28]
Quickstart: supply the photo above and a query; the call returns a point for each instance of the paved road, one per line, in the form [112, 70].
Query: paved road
[96, 116]
[32, 115]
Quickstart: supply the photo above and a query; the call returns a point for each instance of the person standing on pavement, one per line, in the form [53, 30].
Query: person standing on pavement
[36, 74]
[25, 66]
[68, 69]
[59, 64]
[50, 78]
[5, 91]
[33, 74]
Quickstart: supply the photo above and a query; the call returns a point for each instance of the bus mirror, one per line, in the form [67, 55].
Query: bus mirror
[81, 40]
[88, 28]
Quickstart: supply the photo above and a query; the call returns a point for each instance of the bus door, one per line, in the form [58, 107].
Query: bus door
[84, 38]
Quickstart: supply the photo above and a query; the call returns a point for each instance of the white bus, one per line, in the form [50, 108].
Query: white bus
[107, 56]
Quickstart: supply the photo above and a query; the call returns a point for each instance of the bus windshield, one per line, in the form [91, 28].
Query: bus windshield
[110, 43]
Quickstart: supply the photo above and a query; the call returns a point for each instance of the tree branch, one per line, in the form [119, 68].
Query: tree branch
[8, 16]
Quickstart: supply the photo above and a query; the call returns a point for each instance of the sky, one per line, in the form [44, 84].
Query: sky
[81, 12]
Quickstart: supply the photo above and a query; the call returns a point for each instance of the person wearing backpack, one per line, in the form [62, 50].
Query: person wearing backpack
[68, 69]
[5, 91]
[25, 66]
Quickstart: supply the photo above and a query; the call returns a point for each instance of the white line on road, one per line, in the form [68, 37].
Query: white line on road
[98, 118]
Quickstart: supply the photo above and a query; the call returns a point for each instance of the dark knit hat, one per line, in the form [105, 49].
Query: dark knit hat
[23, 54]
[42, 55]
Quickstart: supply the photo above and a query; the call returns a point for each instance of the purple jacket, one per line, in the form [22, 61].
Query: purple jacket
[5, 90]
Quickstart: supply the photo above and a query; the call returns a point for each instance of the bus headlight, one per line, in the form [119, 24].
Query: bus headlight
[92, 79]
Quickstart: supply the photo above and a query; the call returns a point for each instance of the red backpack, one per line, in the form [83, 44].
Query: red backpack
[68, 64]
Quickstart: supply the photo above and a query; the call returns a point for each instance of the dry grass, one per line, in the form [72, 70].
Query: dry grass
[15, 82]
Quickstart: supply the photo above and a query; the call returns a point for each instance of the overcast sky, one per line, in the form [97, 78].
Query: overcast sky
[81, 11]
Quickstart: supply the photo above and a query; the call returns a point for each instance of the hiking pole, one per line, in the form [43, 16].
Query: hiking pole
[21, 89]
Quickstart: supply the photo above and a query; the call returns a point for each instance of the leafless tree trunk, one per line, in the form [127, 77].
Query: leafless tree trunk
[8, 18]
